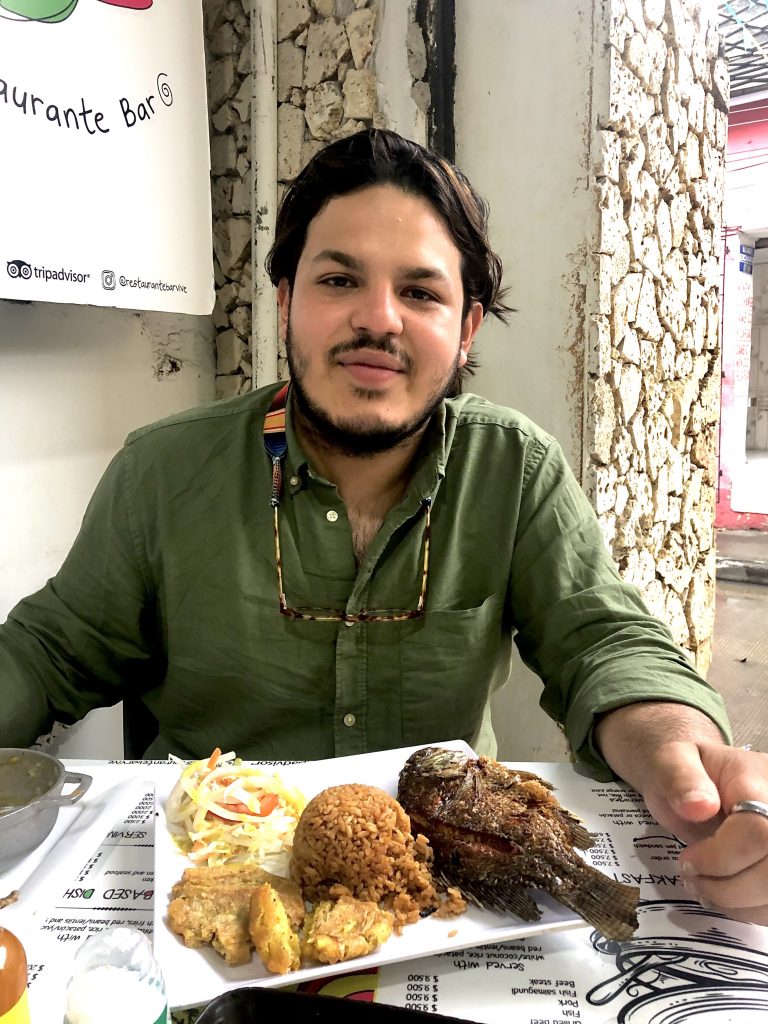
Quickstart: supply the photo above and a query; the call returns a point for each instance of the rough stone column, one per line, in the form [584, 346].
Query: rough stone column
[652, 389]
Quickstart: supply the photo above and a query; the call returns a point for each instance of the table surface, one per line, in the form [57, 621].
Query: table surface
[97, 868]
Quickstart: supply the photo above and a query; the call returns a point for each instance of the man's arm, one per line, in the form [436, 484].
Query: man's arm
[640, 741]
[630, 700]
[81, 640]
[690, 780]
[26, 713]
[582, 629]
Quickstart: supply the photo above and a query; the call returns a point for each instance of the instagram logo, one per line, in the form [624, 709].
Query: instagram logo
[108, 280]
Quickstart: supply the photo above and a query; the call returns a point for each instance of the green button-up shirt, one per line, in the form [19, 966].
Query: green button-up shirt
[170, 591]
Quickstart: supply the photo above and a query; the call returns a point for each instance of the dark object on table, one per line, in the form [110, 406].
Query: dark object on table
[497, 832]
[31, 785]
[253, 1005]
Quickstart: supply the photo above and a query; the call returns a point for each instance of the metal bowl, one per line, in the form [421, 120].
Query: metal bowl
[31, 785]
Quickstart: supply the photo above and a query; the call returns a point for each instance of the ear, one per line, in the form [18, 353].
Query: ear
[284, 306]
[469, 329]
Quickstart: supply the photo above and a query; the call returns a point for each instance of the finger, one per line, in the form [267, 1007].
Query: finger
[689, 832]
[740, 842]
[743, 891]
[681, 781]
[729, 871]
[739, 774]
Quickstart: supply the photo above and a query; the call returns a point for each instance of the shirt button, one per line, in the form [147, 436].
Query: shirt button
[332, 515]
[348, 622]
[294, 481]
[349, 719]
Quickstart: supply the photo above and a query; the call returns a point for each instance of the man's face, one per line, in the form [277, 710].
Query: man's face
[373, 325]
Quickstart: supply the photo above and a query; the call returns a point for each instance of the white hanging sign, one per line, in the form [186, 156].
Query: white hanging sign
[104, 160]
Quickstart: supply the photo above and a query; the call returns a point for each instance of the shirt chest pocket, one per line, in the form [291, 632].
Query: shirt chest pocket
[447, 665]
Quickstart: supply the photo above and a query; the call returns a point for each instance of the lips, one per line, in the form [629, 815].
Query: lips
[371, 368]
[372, 358]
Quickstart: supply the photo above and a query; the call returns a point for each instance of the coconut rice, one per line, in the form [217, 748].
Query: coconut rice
[357, 839]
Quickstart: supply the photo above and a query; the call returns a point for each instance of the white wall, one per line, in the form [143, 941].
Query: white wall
[392, 72]
[523, 135]
[524, 127]
[73, 382]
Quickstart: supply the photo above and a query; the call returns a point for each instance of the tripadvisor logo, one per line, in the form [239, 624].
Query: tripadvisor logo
[21, 270]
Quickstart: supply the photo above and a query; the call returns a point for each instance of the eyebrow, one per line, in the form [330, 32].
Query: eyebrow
[337, 256]
[409, 273]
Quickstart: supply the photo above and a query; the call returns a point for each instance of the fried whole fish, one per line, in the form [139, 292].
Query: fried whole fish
[496, 832]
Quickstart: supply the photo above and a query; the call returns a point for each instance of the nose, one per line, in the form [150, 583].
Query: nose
[377, 310]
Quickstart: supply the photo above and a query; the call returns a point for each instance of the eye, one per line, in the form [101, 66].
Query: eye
[420, 294]
[338, 281]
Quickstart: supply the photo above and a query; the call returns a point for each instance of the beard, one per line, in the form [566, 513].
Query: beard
[369, 435]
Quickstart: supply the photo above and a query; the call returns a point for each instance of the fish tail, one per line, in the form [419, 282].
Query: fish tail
[581, 837]
[502, 896]
[608, 905]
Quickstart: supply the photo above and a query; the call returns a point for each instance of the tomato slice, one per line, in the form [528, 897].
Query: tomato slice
[268, 803]
[237, 808]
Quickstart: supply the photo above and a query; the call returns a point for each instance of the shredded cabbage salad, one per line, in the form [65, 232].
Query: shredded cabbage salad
[222, 810]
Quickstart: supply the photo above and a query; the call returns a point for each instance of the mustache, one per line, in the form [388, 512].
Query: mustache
[373, 343]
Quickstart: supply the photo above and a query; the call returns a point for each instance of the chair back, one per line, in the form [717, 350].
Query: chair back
[140, 728]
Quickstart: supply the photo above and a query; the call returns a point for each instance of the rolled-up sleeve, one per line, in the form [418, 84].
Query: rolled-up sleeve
[584, 631]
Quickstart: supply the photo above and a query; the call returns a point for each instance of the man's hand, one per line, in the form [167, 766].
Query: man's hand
[674, 756]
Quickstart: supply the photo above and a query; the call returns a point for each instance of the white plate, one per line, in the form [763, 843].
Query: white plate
[194, 976]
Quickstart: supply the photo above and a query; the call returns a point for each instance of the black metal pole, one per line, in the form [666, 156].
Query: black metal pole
[437, 20]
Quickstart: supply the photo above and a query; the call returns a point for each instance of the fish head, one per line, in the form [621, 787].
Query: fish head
[438, 762]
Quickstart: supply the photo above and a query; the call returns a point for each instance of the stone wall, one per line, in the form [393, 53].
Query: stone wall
[326, 87]
[653, 371]
[228, 41]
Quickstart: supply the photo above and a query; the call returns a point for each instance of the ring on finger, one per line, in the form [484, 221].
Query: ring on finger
[755, 806]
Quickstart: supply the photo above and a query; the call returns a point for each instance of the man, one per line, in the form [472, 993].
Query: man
[342, 567]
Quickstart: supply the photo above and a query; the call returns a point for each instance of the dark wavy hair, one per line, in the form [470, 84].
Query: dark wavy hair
[376, 156]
